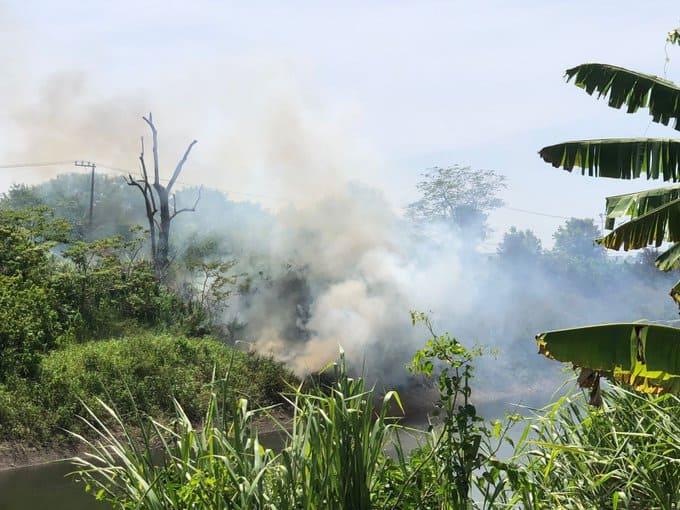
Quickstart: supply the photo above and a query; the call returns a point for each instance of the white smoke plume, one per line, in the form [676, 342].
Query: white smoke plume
[362, 266]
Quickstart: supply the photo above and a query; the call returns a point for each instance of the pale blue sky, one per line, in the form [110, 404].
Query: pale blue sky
[375, 91]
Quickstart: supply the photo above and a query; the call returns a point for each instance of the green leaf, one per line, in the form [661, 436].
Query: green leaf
[655, 227]
[646, 356]
[630, 88]
[638, 203]
[618, 158]
[670, 259]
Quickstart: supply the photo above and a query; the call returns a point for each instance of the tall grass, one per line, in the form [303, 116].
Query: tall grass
[625, 455]
[333, 454]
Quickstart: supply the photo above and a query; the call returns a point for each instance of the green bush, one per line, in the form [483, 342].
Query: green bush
[148, 369]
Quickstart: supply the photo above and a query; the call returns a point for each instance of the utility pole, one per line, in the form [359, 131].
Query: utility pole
[92, 166]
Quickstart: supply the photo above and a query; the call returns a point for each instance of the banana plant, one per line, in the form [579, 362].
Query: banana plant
[645, 356]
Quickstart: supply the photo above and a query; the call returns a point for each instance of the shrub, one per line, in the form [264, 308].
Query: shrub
[149, 370]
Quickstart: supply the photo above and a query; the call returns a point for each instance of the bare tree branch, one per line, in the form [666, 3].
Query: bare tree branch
[146, 178]
[180, 165]
[154, 132]
[186, 209]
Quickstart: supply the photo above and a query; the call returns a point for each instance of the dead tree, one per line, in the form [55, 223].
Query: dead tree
[157, 199]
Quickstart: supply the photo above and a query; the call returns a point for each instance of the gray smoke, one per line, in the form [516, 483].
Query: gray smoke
[340, 264]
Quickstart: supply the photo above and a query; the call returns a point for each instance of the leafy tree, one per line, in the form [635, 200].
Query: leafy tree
[458, 196]
[33, 317]
[208, 283]
[645, 357]
[54, 290]
[576, 238]
[519, 245]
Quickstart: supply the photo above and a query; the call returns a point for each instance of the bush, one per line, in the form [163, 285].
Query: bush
[148, 369]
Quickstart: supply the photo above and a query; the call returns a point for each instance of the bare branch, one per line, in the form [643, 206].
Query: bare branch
[154, 132]
[180, 165]
[147, 187]
[186, 209]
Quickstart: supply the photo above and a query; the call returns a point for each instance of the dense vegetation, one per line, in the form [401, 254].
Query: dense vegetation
[347, 449]
[86, 319]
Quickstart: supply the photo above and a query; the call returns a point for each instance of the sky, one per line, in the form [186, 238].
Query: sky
[291, 99]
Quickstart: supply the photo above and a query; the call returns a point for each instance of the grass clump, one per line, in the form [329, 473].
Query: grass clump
[625, 455]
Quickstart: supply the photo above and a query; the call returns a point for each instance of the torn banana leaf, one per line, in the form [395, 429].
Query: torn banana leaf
[644, 356]
[652, 228]
[675, 293]
[670, 259]
[618, 158]
[636, 204]
[634, 90]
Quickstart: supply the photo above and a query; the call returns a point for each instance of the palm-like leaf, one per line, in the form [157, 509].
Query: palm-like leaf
[646, 356]
[670, 259]
[655, 227]
[636, 204]
[618, 158]
[632, 89]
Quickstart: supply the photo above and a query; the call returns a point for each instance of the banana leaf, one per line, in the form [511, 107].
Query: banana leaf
[645, 356]
[675, 293]
[670, 259]
[654, 227]
[619, 158]
[630, 88]
[636, 204]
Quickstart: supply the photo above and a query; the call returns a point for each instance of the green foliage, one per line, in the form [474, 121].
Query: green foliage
[654, 214]
[332, 457]
[576, 238]
[54, 290]
[206, 282]
[460, 452]
[333, 453]
[631, 89]
[624, 455]
[519, 245]
[457, 196]
[148, 369]
[33, 318]
[644, 356]
[618, 158]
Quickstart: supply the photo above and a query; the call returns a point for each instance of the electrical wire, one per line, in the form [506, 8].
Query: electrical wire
[254, 195]
[29, 165]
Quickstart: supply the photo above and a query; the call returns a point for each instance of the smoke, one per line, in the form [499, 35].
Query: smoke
[64, 121]
[342, 266]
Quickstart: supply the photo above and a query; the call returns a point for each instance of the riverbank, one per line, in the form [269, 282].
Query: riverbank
[143, 373]
[21, 454]
[17, 455]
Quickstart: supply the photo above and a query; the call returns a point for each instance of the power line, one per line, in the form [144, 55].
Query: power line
[526, 211]
[26, 165]
[255, 195]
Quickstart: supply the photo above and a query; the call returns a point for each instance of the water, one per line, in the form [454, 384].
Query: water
[47, 487]
[44, 487]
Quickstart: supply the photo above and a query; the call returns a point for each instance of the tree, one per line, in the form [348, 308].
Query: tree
[519, 245]
[458, 196]
[644, 356]
[157, 199]
[576, 238]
